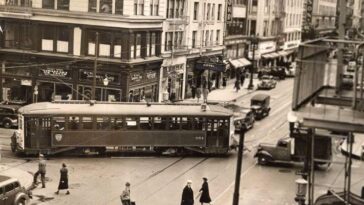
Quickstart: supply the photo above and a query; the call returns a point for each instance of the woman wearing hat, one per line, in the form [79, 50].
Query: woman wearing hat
[187, 194]
[205, 194]
[63, 181]
[125, 196]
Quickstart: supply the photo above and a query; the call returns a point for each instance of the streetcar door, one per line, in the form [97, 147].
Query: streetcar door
[38, 130]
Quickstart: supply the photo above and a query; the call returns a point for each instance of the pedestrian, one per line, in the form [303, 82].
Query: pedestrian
[198, 93]
[224, 82]
[41, 171]
[187, 194]
[242, 79]
[237, 85]
[205, 194]
[125, 196]
[205, 94]
[63, 181]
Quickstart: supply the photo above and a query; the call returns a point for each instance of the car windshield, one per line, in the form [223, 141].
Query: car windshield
[255, 102]
[266, 77]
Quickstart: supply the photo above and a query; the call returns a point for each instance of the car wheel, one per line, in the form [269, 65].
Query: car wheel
[21, 201]
[262, 160]
[7, 124]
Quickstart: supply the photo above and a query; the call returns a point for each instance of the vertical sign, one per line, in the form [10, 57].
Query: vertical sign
[308, 15]
[229, 10]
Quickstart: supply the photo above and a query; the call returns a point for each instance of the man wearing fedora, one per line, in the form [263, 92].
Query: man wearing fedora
[204, 191]
[187, 194]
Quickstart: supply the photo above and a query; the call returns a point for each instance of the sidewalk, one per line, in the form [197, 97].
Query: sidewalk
[228, 93]
[25, 178]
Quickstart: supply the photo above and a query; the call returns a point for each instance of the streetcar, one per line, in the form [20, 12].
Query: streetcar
[100, 127]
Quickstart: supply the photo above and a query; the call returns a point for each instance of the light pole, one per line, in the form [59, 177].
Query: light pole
[254, 40]
[238, 166]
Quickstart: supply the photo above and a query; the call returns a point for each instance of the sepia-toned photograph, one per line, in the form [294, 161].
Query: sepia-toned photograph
[182, 102]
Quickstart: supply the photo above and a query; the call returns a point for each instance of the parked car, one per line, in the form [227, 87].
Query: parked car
[278, 72]
[266, 83]
[245, 118]
[12, 193]
[9, 115]
[260, 105]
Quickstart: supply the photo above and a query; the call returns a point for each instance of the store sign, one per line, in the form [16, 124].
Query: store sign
[136, 77]
[308, 15]
[26, 82]
[150, 75]
[86, 75]
[56, 72]
[220, 67]
[229, 10]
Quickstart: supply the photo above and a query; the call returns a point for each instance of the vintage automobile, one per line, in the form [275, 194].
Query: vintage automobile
[9, 115]
[278, 72]
[267, 82]
[293, 149]
[11, 192]
[244, 119]
[259, 104]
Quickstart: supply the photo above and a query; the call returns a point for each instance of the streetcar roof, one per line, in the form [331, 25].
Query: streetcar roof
[137, 109]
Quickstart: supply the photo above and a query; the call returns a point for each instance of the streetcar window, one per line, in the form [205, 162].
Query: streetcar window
[103, 123]
[118, 123]
[174, 123]
[199, 123]
[131, 123]
[186, 123]
[87, 122]
[160, 123]
[59, 123]
[74, 123]
[145, 123]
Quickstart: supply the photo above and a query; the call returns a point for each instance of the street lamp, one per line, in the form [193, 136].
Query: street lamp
[238, 166]
[301, 191]
[254, 40]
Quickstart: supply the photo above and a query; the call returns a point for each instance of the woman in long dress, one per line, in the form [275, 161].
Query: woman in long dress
[63, 182]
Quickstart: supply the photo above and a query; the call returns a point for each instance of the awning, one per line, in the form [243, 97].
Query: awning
[241, 62]
[270, 55]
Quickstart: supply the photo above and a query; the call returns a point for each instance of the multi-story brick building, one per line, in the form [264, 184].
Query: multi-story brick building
[48, 49]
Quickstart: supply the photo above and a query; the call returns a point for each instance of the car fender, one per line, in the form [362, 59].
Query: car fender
[263, 153]
[19, 196]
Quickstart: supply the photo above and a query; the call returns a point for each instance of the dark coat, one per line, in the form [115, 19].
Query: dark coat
[205, 196]
[187, 196]
[63, 182]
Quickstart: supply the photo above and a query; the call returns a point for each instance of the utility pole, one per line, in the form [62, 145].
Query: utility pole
[93, 97]
[238, 166]
[341, 6]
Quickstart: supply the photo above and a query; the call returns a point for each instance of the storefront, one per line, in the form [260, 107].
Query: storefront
[210, 70]
[172, 82]
[143, 86]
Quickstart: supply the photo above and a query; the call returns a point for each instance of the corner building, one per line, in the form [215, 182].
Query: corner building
[48, 48]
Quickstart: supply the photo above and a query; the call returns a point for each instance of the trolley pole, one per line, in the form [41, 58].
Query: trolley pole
[93, 97]
[238, 166]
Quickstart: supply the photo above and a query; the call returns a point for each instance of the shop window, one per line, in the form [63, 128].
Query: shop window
[104, 44]
[48, 34]
[119, 6]
[63, 40]
[117, 46]
[73, 123]
[92, 5]
[105, 6]
[63, 91]
[131, 123]
[48, 4]
[87, 123]
[152, 44]
[91, 39]
[63, 4]
[138, 42]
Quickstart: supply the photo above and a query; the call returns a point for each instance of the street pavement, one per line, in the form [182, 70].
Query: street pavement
[159, 180]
